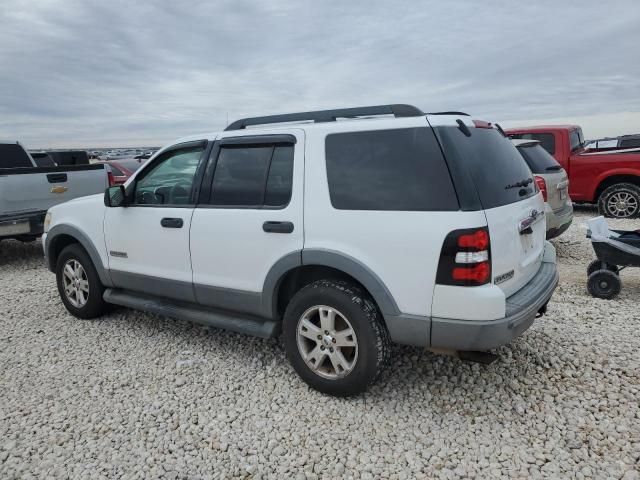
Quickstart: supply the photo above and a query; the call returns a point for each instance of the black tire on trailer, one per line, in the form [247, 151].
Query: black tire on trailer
[621, 200]
[335, 337]
[604, 284]
[600, 265]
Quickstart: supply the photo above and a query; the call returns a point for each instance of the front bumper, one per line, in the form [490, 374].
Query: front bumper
[521, 310]
[23, 225]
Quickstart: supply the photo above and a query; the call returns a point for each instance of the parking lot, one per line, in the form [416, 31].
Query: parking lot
[134, 394]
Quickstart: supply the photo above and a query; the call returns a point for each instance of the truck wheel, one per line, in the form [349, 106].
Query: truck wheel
[621, 200]
[335, 338]
[600, 265]
[78, 283]
[604, 284]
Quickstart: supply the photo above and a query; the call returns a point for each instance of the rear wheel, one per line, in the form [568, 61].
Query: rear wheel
[78, 283]
[621, 200]
[335, 338]
[600, 265]
[604, 284]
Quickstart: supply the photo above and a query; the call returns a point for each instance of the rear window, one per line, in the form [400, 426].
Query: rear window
[401, 170]
[13, 155]
[492, 162]
[43, 160]
[131, 165]
[538, 159]
[116, 171]
[547, 140]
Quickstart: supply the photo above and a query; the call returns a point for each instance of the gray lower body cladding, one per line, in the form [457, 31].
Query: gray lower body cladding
[453, 334]
[521, 311]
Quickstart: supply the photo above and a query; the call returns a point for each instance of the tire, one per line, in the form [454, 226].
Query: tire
[621, 200]
[364, 354]
[604, 284]
[600, 265]
[93, 305]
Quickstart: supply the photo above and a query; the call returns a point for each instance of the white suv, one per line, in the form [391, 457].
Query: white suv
[345, 230]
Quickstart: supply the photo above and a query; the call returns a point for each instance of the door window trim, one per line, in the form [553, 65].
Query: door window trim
[269, 140]
[197, 178]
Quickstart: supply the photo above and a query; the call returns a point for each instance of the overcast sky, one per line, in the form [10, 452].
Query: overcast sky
[108, 73]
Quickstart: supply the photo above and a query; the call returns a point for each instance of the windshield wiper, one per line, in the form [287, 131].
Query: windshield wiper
[520, 184]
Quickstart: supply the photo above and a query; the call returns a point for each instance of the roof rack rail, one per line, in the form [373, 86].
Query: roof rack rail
[449, 113]
[398, 110]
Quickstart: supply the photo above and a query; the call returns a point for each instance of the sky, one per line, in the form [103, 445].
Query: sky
[79, 73]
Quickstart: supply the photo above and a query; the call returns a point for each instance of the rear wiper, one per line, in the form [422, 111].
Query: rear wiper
[553, 167]
[520, 184]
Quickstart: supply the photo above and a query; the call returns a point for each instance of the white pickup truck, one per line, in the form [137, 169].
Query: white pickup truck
[28, 191]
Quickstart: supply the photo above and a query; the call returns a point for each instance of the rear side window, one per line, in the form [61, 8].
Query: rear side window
[538, 159]
[13, 155]
[493, 163]
[253, 176]
[398, 170]
[547, 140]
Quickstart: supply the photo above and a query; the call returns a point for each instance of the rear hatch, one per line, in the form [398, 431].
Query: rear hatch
[483, 159]
[543, 165]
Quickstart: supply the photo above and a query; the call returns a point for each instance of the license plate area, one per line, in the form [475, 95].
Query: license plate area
[19, 227]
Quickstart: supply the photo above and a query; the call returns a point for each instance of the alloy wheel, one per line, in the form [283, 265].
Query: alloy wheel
[76, 283]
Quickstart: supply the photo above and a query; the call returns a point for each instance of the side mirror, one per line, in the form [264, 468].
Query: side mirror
[115, 196]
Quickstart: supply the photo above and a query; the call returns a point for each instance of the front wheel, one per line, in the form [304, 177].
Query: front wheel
[621, 200]
[78, 283]
[334, 337]
[604, 284]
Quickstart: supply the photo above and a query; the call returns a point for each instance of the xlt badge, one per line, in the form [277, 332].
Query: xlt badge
[504, 277]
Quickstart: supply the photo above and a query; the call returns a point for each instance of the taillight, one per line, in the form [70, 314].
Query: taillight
[542, 186]
[110, 178]
[465, 259]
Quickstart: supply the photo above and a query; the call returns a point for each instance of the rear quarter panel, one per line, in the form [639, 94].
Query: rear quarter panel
[590, 169]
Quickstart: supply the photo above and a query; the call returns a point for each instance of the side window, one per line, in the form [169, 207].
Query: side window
[398, 170]
[170, 181]
[253, 176]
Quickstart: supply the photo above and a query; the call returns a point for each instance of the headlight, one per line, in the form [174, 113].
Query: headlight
[47, 222]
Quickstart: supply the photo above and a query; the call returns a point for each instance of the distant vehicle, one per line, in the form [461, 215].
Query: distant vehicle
[609, 177]
[143, 156]
[553, 182]
[120, 171]
[623, 141]
[27, 190]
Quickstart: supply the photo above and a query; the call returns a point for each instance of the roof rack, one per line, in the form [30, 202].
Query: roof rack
[449, 113]
[398, 110]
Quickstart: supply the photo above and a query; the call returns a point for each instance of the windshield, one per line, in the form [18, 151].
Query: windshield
[498, 171]
[538, 159]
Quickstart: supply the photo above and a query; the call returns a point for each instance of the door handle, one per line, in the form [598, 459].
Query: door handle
[172, 222]
[57, 177]
[277, 227]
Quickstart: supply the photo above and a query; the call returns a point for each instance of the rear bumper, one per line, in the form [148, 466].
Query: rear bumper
[558, 222]
[26, 224]
[521, 310]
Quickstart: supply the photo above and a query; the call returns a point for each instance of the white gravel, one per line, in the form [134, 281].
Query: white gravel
[135, 395]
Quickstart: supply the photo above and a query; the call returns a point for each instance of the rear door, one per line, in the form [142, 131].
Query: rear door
[513, 206]
[250, 218]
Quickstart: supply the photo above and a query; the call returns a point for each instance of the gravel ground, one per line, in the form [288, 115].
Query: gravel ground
[135, 395]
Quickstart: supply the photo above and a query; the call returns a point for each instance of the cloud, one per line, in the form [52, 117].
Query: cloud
[90, 73]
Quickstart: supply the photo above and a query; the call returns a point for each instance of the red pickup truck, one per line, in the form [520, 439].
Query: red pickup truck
[608, 177]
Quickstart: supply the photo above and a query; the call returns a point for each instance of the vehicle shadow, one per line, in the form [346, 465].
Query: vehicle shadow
[20, 254]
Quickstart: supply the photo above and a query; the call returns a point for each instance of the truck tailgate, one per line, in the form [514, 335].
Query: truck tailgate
[38, 189]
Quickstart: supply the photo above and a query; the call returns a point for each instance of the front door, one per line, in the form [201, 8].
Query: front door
[148, 240]
[252, 218]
